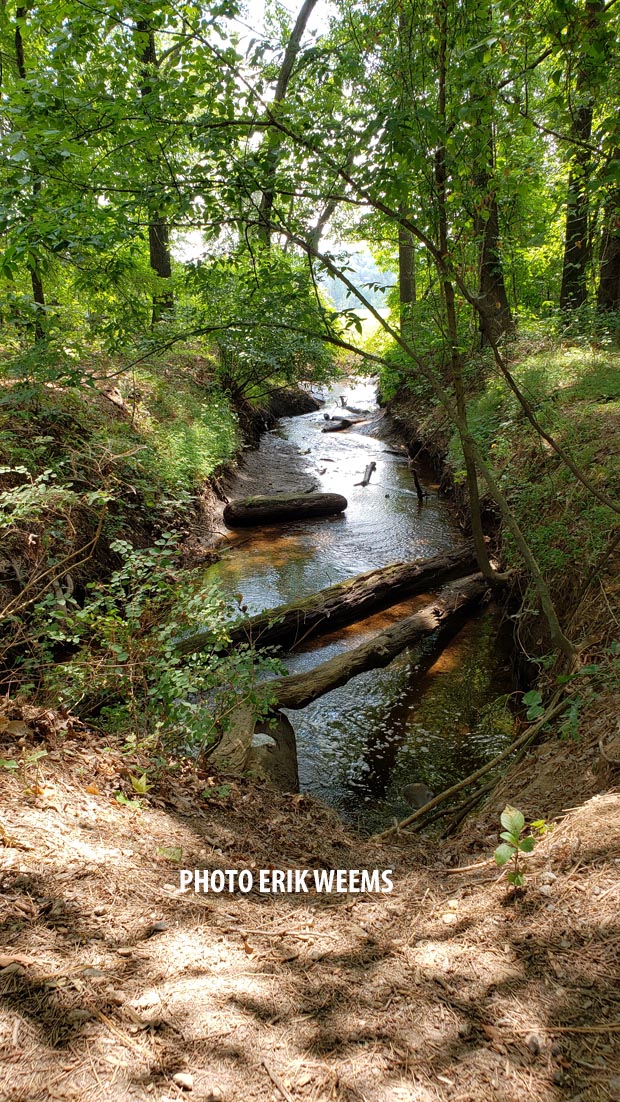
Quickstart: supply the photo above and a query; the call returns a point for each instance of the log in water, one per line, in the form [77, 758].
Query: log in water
[298, 690]
[249, 511]
[341, 604]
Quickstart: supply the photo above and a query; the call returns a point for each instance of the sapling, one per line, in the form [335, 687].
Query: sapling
[513, 845]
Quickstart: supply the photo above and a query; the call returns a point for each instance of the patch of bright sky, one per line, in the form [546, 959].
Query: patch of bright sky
[190, 245]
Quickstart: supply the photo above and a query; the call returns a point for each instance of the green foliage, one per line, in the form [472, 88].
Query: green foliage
[514, 843]
[122, 663]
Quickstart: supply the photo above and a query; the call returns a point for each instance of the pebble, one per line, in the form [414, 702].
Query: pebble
[534, 1043]
[545, 889]
[183, 1080]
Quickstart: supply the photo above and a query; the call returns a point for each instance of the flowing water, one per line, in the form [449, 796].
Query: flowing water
[413, 721]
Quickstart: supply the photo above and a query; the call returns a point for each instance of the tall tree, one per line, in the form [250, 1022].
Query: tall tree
[587, 62]
[33, 262]
[159, 235]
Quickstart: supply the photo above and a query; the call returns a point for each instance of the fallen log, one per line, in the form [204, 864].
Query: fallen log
[344, 603]
[336, 424]
[299, 690]
[282, 507]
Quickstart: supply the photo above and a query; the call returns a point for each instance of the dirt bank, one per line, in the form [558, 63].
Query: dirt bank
[112, 983]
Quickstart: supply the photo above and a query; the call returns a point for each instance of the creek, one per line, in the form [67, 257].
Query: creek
[415, 720]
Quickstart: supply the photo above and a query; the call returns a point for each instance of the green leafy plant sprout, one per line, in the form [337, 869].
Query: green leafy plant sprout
[513, 845]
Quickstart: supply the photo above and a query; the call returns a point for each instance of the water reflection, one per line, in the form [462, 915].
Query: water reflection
[417, 720]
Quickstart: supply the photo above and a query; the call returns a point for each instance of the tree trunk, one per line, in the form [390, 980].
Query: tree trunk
[282, 507]
[608, 296]
[495, 313]
[38, 293]
[456, 359]
[574, 289]
[290, 625]
[406, 280]
[301, 689]
[159, 243]
[284, 76]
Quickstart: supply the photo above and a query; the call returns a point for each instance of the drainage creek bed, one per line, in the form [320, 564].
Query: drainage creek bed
[419, 720]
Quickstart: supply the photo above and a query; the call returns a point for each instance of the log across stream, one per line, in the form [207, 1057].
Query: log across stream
[422, 717]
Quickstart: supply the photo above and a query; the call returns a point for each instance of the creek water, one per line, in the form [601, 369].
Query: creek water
[418, 719]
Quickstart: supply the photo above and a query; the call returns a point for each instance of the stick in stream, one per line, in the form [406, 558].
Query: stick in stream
[552, 711]
[367, 474]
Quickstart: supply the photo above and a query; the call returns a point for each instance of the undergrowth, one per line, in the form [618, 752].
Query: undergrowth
[98, 490]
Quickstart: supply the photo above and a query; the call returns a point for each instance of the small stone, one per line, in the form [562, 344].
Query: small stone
[534, 1043]
[547, 877]
[183, 1080]
[450, 919]
[545, 889]
[79, 1015]
[157, 928]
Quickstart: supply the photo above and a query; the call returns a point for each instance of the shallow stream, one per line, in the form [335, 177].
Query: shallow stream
[360, 744]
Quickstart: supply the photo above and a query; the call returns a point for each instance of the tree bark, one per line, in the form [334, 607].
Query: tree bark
[299, 690]
[344, 603]
[574, 289]
[406, 280]
[38, 293]
[282, 507]
[495, 313]
[159, 238]
[608, 295]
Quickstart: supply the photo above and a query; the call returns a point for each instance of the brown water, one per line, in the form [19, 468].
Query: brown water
[358, 745]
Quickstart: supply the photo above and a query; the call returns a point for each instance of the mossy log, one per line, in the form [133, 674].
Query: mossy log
[249, 511]
[291, 624]
[299, 690]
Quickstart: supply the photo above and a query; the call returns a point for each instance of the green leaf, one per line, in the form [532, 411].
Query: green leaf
[512, 820]
[124, 801]
[534, 697]
[503, 854]
[513, 839]
[516, 878]
[10, 764]
[527, 845]
[171, 853]
[140, 784]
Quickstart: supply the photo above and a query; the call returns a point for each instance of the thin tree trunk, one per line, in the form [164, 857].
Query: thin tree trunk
[159, 238]
[456, 365]
[406, 280]
[38, 293]
[495, 315]
[273, 143]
